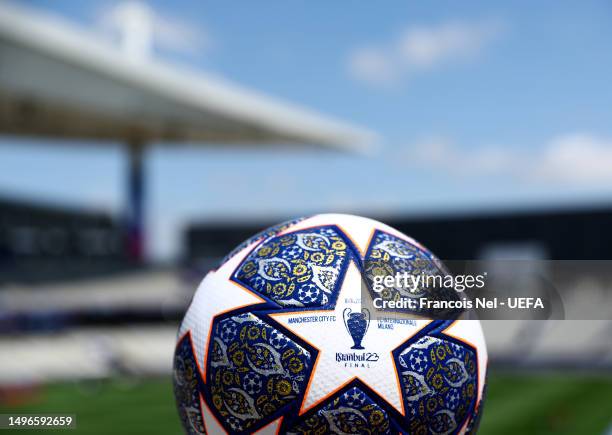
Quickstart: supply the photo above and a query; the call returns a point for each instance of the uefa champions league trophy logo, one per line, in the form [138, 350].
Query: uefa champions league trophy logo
[356, 324]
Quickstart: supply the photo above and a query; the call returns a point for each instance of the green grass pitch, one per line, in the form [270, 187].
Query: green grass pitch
[526, 404]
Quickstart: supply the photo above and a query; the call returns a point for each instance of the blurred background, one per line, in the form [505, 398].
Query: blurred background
[141, 141]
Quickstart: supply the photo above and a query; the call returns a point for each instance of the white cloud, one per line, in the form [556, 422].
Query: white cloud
[442, 154]
[578, 158]
[575, 159]
[421, 48]
[372, 65]
[139, 28]
[424, 47]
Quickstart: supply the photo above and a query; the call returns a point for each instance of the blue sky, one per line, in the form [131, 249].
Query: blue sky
[478, 105]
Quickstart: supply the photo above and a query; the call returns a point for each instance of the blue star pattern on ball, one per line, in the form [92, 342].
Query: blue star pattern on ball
[186, 387]
[351, 412]
[389, 255]
[299, 269]
[262, 235]
[438, 378]
[254, 371]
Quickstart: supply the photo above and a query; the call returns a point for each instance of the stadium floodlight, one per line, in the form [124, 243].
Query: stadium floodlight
[59, 81]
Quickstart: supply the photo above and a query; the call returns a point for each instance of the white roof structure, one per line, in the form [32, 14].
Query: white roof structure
[58, 80]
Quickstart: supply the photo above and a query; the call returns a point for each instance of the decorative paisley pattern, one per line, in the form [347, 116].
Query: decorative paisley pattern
[438, 379]
[300, 269]
[352, 412]
[474, 419]
[389, 255]
[256, 373]
[262, 235]
[186, 387]
[254, 370]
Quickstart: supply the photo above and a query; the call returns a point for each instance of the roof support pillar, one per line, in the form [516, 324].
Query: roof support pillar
[135, 217]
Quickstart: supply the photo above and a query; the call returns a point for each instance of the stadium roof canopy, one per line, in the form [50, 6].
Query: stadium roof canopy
[59, 80]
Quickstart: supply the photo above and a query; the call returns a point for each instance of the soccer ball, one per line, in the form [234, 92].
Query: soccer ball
[277, 340]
